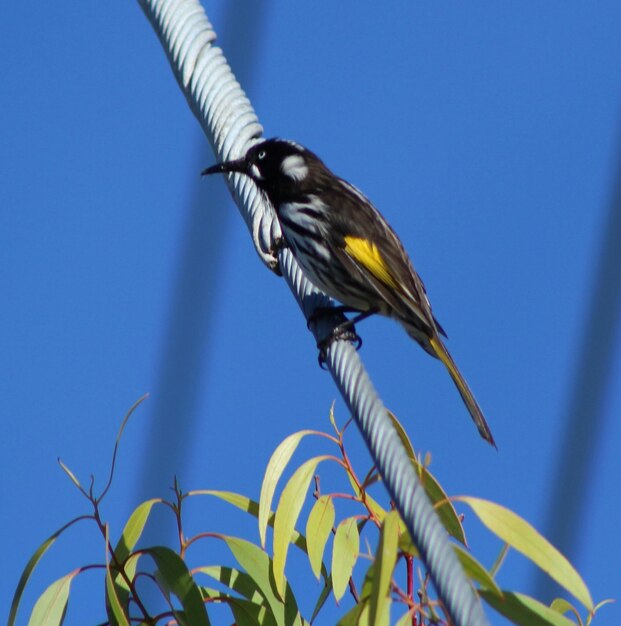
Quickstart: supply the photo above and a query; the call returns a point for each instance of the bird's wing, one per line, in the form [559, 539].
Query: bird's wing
[364, 260]
[370, 249]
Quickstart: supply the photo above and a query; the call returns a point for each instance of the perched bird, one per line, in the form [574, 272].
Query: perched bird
[346, 248]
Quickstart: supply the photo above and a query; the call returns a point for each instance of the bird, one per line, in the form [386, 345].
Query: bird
[346, 248]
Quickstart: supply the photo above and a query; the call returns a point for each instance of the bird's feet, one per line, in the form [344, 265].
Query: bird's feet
[328, 312]
[342, 332]
[274, 263]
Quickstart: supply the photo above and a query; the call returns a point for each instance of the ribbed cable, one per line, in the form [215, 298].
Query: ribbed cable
[231, 126]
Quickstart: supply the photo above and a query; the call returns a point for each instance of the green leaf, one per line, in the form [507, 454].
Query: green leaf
[287, 513]
[405, 619]
[245, 612]
[250, 506]
[562, 606]
[133, 529]
[333, 421]
[385, 559]
[345, 549]
[72, 477]
[442, 504]
[114, 602]
[259, 567]
[353, 617]
[234, 579]
[175, 576]
[275, 467]
[365, 617]
[117, 596]
[405, 541]
[248, 614]
[520, 535]
[236, 499]
[32, 563]
[405, 440]
[121, 588]
[50, 608]
[524, 610]
[475, 571]
[372, 505]
[321, 600]
[367, 583]
[318, 528]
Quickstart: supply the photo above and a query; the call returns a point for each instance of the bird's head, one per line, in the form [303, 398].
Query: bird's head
[279, 167]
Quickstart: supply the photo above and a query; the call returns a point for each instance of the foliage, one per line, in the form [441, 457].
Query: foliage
[256, 589]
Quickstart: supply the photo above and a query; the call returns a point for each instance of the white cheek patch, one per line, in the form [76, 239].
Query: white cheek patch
[294, 167]
[256, 173]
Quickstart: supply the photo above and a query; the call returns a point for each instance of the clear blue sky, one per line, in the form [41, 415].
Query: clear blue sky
[487, 134]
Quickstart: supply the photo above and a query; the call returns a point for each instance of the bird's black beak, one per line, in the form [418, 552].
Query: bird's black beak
[240, 166]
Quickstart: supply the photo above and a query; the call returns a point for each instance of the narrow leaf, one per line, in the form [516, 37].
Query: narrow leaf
[236, 499]
[259, 567]
[520, 535]
[524, 610]
[318, 529]
[475, 571]
[133, 529]
[372, 505]
[321, 600]
[275, 467]
[365, 617]
[114, 593]
[50, 608]
[333, 420]
[245, 612]
[113, 601]
[250, 506]
[287, 513]
[32, 563]
[121, 587]
[72, 477]
[353, 617]
[177, 579]
[405, 440]
[345, 550]
[234, 579]
[563, 606]
[385, 559]
[248, 614]
[257, 564]
[405, 619]
[442, 504]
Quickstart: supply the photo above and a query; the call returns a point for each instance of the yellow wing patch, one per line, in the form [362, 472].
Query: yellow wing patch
[368, 255]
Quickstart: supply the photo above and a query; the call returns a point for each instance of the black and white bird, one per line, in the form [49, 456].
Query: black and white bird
[346, 248]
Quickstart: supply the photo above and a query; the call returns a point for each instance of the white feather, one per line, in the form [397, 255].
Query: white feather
[294, 166]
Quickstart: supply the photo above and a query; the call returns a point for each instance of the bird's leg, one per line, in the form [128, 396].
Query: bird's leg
[328, 311]
[278, 244]
[349, 324]
[343, 332]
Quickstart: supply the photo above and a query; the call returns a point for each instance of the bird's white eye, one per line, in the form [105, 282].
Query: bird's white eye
[261, 155]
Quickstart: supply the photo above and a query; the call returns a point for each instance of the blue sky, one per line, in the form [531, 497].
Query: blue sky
[488, 134]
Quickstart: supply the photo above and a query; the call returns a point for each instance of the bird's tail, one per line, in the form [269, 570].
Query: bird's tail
[475, 410]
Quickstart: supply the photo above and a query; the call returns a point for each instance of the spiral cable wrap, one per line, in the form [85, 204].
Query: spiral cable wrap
[231, 126]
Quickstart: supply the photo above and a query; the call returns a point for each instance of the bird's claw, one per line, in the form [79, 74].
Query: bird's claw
[274, 263]
[338, 334]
